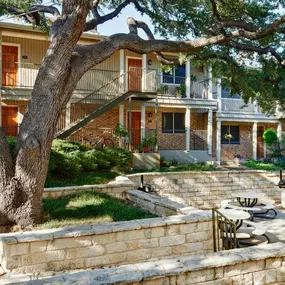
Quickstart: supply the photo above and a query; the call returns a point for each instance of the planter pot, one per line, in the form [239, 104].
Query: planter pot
[146, 160]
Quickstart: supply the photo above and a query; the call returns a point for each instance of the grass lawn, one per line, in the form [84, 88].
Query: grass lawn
[83, 178]
[87, 207]
[261, 165]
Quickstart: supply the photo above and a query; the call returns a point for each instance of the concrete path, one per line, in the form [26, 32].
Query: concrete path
[275, 228]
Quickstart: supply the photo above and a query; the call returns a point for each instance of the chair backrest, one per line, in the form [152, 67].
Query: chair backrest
[224, 231]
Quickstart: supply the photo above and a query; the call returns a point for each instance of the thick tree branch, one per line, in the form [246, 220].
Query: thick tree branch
[215, 10]
[45, 9]
[259, 50]
[30, 17]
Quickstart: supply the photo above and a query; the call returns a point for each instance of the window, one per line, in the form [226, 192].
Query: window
[173, 123]
[230, 130]
[176, 76]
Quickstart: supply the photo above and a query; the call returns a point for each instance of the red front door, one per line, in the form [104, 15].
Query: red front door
[9, 65]
[136, 129]
[10, 120]
[135, 74]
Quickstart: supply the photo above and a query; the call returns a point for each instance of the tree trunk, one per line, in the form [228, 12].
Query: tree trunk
[22, 177]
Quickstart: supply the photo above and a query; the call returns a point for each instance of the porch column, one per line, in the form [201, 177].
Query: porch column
[187, 128]
[210, 91]
[156, 124]
[122, 71]
[67, 114]
[188, 78]
[219, 94]
[254, 141]
[144, 65]
[143, 121]
[219, 128]
[279, 131]
[121, 114]
[210, 131]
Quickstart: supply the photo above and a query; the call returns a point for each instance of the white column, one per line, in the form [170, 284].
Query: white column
[143, 121]
[218, 151]
[210, 131]
[254, 140]
[279, 131]
[122, 71]
[144, 72]
[187, 128]
[188, 78]
[210, 91]
[219, 94]
[255, 107]
[67, 114]
[121, 114]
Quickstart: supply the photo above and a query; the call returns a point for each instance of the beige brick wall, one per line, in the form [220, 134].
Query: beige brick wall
[103, 245]
[208, 189]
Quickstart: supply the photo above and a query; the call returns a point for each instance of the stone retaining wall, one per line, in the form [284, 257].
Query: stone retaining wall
[106, 244]
[248, 266]
[113, 189]
[208, 189]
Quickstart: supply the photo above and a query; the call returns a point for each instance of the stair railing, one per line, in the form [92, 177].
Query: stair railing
[85, 106]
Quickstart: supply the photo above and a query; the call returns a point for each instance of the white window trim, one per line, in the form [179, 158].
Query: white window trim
[171, 84]
[173, 130]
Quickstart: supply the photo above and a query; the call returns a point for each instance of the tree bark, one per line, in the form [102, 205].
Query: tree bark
[22, 178]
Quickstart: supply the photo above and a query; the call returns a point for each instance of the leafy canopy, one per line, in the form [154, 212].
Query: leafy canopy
[252, 67]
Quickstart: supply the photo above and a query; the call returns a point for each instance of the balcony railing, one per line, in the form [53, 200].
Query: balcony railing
[23, 75]
[237, 105]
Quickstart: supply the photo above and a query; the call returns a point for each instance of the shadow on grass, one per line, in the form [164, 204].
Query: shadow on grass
[88, 207]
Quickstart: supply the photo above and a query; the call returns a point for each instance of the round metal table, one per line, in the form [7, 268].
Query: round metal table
[247, 199]
[236, 216]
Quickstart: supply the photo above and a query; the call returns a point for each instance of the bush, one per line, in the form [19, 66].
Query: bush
[12, 143]
[67, 146]
[270, 136]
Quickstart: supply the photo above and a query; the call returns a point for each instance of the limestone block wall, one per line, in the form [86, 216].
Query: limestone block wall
[208, 189]
[113, 189]
[247, 266]
[93, 246]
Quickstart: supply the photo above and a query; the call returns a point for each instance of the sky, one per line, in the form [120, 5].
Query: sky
[117, 25]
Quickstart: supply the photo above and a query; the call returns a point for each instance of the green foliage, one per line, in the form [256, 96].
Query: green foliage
[12, 143]
[260, 165]
[87, 207]
[120, 131]
[69, 158]
[270, 136]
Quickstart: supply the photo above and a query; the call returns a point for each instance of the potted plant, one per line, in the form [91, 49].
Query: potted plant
[121, 134]
[228, 137]
[181, 91]
[148, 143]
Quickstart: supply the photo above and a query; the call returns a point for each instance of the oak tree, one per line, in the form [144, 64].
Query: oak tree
[243, 41]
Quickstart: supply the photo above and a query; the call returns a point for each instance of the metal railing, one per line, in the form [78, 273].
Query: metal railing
[237, 105]
[224, 232]
[198, 140]
[10, 131]
[84, 107]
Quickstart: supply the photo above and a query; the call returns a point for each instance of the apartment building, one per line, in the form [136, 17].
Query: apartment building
[186, 109]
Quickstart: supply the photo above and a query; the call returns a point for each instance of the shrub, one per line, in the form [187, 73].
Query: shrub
[12, 143]
[67, 146]
[270, 136]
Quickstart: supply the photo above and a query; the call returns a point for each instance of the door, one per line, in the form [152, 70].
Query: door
[135, 74]
[260, 143]
[9, 65]
[10, 120]
[136, 129]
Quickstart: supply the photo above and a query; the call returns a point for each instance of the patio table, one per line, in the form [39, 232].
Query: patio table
[236, 216]
[247, 199]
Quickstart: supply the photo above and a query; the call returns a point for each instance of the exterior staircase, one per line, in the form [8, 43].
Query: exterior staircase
[92, 106]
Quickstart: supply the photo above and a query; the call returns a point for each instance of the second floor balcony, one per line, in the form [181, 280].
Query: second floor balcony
[22, 76]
